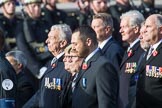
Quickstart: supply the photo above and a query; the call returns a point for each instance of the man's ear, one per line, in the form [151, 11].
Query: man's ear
[88, 42]
[20, 66]
[136, 29]
[63, 43]
[108, 29]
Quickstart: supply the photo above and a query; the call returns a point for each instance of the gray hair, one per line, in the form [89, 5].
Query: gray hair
[65, 31]
[136, 18]
[18, 56]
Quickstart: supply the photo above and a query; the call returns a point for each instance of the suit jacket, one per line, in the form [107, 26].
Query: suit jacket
[25, 89]
[66, 94]
[33, 102]
[133, 83]
[96, 85]
[127, 69]
[149, 89]
[52, 84]
[114, 52]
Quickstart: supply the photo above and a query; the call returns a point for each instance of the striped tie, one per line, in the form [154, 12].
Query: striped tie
[150, 52]
[74, 82]
[53, 62]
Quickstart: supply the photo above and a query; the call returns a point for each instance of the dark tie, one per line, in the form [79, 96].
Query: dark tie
[74, 82]
[66, 92]
[53, 61]
[150, 52]
[129, 52]
[77, 77]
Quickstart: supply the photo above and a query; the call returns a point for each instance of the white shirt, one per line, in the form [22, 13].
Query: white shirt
[57, 57]
[132, 44]
[156, 45]
[90, 55]
[104, 42]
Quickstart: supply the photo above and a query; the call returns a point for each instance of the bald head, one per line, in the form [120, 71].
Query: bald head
[153, 28]
[157, 18]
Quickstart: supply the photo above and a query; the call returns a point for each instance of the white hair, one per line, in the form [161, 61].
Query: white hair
[65, 31]
[136, 18]
[18, 56]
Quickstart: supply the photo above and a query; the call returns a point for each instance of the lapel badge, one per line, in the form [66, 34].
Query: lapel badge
[7, 84]
[130, 53]
[84, 66]
[155, 53]
[58, 83]
[136, 77]
[53, 65]
[84, 82]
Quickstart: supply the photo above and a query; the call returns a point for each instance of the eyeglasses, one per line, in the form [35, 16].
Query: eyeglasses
[70, 57]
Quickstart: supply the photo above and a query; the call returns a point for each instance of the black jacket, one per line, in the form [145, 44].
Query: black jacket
[150, 80]
[127, 69]
[96, 85]
[8, 80]
[25, 89]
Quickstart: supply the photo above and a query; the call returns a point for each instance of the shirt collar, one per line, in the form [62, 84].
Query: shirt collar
[132, 44]
[57, 57]
[104, 42]
[156, 45]
[91, 54]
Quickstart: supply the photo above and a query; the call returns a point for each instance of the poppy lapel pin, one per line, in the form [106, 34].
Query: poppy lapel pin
[130, 53]
[53, 65]
[84, 66]
[154, 53]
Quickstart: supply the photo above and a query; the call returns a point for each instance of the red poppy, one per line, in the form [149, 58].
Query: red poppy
[130, 53]
[84, 66]
[155, 53]
[53, 65]
[160, 70]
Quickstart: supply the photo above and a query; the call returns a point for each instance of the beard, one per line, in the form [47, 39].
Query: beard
[84, 52]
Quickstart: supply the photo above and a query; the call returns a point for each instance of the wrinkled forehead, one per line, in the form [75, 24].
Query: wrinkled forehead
[54, 33]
